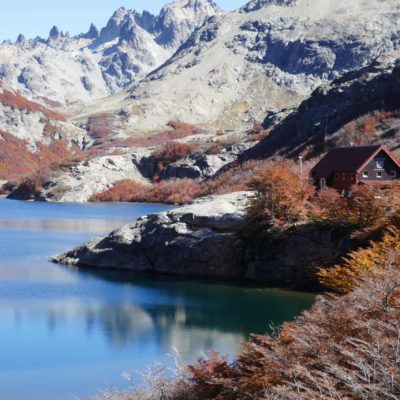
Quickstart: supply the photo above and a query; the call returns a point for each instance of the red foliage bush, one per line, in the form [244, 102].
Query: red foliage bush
[343, 348]
[259, 136]
[180, 191]
[281, 196]
[17, 161]
[177, 191]
[179, 130]
[16, 101]
[171, 152]
[100, 127]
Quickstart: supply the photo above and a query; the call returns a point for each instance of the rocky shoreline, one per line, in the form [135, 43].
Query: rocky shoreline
[204, 240]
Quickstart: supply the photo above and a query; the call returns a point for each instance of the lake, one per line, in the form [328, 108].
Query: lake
[66, 332]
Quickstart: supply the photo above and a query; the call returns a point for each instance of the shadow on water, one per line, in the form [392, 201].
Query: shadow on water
[227, 307]
[79, 329]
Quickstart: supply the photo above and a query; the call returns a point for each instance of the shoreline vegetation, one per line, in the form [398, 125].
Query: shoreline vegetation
[347, 345]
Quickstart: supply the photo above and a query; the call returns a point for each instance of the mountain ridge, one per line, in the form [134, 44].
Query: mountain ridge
[98, 63]
[264, 57]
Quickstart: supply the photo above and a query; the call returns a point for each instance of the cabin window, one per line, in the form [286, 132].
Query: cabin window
[393, 174]
[322, 183]
[379, 174]
[380, 163]
[365, 174]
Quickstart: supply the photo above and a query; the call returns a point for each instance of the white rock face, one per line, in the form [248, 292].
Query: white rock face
[33, 123]
[267, 56]
[198, 239]
[90, 66]
[82, 181]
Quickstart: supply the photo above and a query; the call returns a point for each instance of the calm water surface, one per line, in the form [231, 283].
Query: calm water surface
[66, 333]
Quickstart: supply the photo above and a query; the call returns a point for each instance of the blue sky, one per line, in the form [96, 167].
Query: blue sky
[36, 17]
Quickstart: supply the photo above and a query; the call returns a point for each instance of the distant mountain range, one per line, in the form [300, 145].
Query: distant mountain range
[268, 56]
[62, 70]
[307, 68]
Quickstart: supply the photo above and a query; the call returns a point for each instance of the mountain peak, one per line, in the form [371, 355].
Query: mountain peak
[255, 5]
[196, 6]
[92, 33]
[54, 33]
[178, 19]
[20, 39]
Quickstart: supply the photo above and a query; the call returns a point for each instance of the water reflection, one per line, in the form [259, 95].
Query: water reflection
[80, 329]
[163, 312]
[64, 225]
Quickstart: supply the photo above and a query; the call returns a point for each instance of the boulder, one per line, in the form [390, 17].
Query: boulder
[205, 240]
[196, 240]
[202, 165]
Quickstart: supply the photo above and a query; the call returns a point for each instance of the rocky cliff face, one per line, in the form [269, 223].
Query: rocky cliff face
[78, 183]
[33, 123]
[63, 70]
[322, 121]
[201, 165]
[267, 56]
[203, 240]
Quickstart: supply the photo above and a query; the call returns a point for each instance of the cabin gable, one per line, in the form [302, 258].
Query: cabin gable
[380, 168]
[344, 167]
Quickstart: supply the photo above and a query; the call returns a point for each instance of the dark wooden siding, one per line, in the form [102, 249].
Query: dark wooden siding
[344, 180]
[372, 170]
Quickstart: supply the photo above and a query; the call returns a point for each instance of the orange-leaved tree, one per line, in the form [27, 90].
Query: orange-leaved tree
[281, 195]
[378, 255]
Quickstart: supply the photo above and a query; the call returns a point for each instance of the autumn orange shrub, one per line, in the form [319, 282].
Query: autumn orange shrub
[370, 205]
[259, 136]
[345, 347]
[368, 125]
[17, 161]
[175, 191]
[16, 101]
[172, 152]
[180, 191]
[281, 195]
[344, 277]
[179, 130]
[30, 187]
[101, 129]
[122, 191]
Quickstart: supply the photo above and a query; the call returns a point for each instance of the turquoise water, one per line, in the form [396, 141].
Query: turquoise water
[66, 333]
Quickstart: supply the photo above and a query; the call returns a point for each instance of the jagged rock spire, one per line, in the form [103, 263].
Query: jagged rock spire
[20, 39]
[93, 32]
[54, 32]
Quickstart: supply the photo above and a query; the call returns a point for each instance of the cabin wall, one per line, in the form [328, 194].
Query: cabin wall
[344, 180]
[372, 172]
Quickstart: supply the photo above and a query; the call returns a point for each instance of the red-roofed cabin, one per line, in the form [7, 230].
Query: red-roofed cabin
[343, 167]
